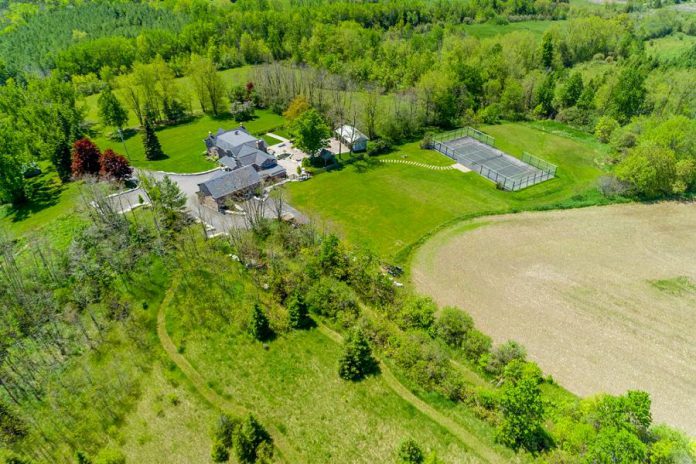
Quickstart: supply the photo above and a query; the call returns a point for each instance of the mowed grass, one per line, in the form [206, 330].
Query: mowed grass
[183, 144]
[50, 215]
[389, 207]
[294, 385]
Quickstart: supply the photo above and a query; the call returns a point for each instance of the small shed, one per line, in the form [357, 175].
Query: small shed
[356, 140]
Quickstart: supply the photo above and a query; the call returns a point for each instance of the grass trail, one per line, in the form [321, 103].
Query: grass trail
[287, 453]
[470, 440]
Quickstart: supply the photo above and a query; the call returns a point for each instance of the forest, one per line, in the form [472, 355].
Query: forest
[81, 315]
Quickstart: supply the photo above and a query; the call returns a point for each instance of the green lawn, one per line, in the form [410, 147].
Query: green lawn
[183, 144]
[51, 213]
[389, 207]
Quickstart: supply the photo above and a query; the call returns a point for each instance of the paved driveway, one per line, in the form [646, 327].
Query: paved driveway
[218, 222]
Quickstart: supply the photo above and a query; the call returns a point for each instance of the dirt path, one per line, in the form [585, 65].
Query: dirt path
[604, 298]
[478, 448]
[283, 448]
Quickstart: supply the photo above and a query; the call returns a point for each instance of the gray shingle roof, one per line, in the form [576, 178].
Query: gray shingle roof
[275, 171]
[230, 182]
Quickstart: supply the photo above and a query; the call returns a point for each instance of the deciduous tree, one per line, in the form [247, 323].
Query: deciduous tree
[311, 132]
[85, 158]
[114, 166]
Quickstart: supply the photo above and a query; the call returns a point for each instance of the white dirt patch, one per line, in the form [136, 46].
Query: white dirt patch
[575, 288]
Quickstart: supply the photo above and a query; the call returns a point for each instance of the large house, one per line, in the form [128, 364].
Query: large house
[245, 162]
[356, 140]
[239, 184]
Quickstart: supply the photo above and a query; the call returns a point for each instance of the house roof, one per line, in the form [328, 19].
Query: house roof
[230, 182]
[249, 155]
[231, 140]
[274, 171]
[350, 134]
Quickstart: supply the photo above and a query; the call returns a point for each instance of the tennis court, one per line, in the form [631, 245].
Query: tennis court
[475, 150]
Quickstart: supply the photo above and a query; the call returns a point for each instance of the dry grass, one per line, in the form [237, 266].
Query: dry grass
[604, 298]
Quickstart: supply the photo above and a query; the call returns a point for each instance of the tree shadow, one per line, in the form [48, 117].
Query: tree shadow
[43, 192]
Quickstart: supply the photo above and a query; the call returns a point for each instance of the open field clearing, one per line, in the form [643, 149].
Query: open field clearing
[405, 202]
[294, 387]
[603, 298]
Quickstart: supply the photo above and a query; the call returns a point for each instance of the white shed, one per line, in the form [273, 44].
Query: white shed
[352, 137]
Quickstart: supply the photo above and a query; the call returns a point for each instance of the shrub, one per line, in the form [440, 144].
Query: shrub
[332, 298]
[409, 453]
[379, 147]
[452, 326]
[357, 360]
[416, 313]
[427, 141]
[110, 456]
[503, 354]
[605, 127]
[476, 344]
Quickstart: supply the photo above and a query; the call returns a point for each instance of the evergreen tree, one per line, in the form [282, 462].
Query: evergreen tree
[410, 453]
[61, 158]
[249, 438]
[219, 453]
[153, 149]
[357, 360]
[299, 313]
[111, 111]
[260, 328]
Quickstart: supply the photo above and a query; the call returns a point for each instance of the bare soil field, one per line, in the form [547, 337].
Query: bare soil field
[603, 298]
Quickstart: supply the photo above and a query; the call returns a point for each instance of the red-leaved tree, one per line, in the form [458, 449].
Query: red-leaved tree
[85, 158]
[114, 166]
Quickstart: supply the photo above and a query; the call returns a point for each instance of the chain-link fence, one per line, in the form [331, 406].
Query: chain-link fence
[475, 150]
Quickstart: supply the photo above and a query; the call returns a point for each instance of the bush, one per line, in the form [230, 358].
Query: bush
[476, 344]
[416, 313]
[357, 360]
[110, 456]
[409, 453]
[379, 147]
[452, 326]
[332, 298]
[605, 127]
[219, 452]
[427, 141]
[503, 354]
